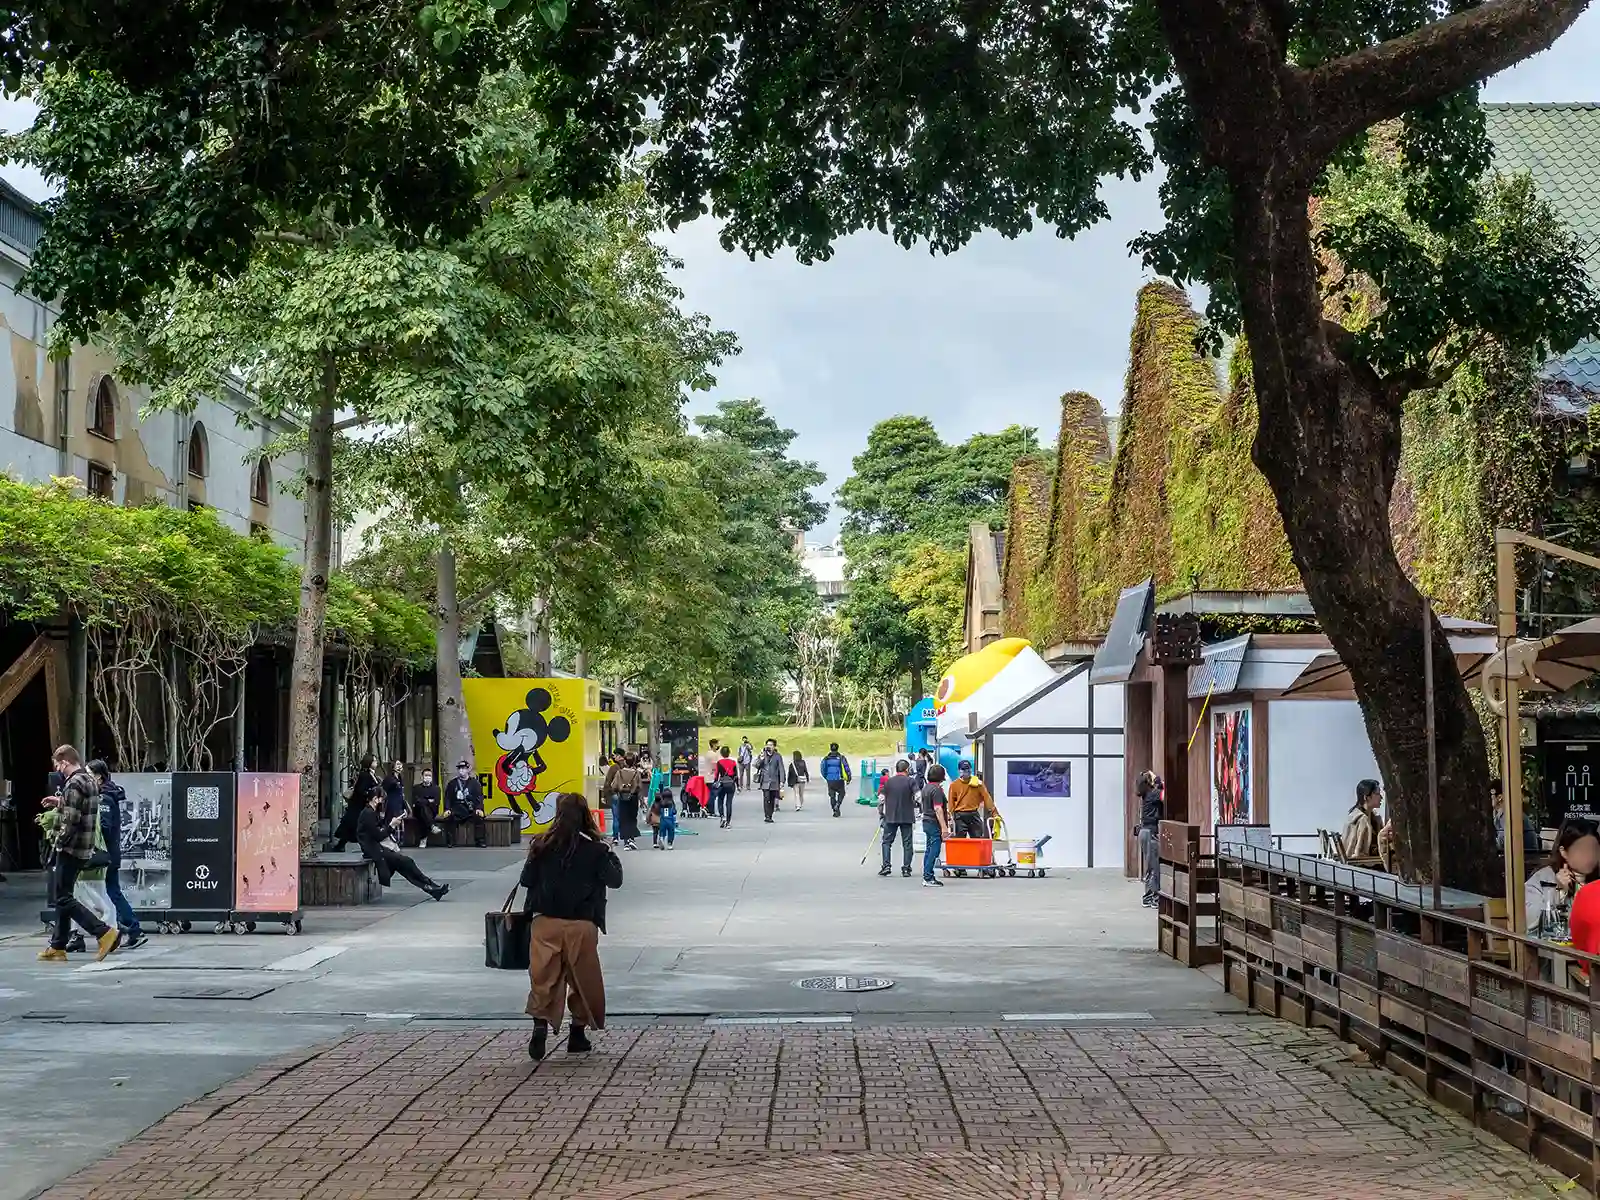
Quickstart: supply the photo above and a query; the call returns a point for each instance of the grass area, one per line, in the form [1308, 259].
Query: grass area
[811, 741]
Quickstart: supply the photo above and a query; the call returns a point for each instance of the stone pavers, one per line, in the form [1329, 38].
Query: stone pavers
[1246, 1111]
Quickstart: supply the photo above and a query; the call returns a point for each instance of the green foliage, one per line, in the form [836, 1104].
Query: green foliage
[908, 507]
[63, 552]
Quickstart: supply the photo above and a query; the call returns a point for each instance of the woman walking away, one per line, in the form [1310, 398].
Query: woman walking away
[376, 838]
[935, 823]
[799, 776]
[1148, 832]
[567, 872]
[361, 791]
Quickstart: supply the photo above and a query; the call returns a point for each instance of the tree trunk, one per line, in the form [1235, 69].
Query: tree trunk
[305, 680]
[541, 638]
[916, 682]
[455, 734]
[580, 667]
[1328, 439]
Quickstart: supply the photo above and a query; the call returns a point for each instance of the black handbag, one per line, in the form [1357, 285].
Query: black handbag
[505, 937]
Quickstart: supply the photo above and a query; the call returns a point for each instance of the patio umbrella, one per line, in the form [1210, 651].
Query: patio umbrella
[1327, 678]
[1556, 663]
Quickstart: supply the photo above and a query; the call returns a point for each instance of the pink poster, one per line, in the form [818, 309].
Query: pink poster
[268, 843]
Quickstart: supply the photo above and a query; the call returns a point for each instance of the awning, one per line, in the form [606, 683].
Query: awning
[1556, 663]
[1327, 678]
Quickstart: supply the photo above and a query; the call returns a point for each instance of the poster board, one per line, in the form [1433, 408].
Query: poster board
[1232, 782]
[267, 842]
[146, 871]
[204, 808]
[531, 738]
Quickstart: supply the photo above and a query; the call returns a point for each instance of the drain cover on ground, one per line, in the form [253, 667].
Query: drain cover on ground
[215, 993]
[844, 983]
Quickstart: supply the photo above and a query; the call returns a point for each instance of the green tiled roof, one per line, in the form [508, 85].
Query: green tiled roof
[1558, 145]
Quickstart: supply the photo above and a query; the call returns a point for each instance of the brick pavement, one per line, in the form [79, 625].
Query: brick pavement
[1245, 1111]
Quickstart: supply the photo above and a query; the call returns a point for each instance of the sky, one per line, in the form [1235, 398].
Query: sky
[987, 337]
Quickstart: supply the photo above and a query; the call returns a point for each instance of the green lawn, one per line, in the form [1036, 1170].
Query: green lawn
[810, 741]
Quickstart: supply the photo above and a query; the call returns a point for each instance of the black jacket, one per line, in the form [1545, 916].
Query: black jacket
[462, 798]
[394, 798]
[111, 798]
[1150, 808]
[426, 796]
[364, 788]
[371, 829]
[572, 889]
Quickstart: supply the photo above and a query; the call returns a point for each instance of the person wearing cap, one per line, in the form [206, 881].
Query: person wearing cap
[971, 806]
[463, 802]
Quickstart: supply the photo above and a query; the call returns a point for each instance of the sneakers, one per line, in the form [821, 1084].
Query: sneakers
[536, 1043]
[440, 892]
[657, 846]
[883, 871]
[75, 944]
[578, 1041]
[931, 882]
[51, 954]
[629, 846]
[132, 941]
[905, 872]
[108, 941]
[1149, 902]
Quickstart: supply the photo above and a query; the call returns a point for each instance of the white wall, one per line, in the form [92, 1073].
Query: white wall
[1317, 751]
[1067, 819]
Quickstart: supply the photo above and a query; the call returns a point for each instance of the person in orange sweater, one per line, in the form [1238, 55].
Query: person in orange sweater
[971, 806]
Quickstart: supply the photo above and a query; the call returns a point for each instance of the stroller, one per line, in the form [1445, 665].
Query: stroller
[696, 796]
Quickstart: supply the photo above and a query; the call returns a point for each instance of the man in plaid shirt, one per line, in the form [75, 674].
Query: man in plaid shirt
[74, 847]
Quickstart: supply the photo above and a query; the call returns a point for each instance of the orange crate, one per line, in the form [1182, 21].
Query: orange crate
[968, 852]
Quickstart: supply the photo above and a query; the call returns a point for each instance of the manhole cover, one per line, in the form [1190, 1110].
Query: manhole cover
[845, 983]
[215, 993]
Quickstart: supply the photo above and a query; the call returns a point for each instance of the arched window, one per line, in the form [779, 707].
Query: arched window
[199, 451]
[261, 491]
[103, 409]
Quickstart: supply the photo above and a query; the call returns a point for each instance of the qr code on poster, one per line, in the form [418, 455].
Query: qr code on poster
[204, 803]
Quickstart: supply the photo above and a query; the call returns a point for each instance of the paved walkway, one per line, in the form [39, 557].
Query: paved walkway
[1247, 1110]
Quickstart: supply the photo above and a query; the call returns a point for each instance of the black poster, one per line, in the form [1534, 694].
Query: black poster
[1572, 771]
[203, 811]
[685, 739]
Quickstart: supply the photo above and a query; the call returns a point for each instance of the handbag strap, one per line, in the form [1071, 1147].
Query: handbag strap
[506, 907]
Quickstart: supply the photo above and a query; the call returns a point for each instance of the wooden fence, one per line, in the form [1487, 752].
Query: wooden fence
[1501, 1029]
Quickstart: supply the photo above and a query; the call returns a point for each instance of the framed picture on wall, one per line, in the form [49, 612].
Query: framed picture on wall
[1031, 777]
[1231, 780]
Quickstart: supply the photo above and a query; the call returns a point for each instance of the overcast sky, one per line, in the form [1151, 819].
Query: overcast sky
[978, 340]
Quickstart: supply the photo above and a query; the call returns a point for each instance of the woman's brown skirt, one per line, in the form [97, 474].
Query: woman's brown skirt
[564, 962]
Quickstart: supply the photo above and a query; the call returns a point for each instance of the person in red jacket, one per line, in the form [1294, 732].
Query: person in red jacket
[1584, 919]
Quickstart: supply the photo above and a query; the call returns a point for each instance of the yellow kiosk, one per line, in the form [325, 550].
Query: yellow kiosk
[531, 739]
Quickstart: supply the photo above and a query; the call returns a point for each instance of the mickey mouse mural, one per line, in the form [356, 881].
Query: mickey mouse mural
[529, 736]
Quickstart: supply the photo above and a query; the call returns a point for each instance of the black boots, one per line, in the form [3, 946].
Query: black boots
[578, 1041]
[536, 1044]
[438, 890]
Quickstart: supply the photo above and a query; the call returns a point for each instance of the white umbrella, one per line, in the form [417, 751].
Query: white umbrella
[1556, 663]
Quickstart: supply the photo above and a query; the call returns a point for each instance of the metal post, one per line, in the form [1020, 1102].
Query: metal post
[1505, 571]
[1433, 756]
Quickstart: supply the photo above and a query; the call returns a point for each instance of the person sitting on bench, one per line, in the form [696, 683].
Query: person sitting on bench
[463, 804]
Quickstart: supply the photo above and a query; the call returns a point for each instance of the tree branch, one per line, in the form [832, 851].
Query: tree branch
[288, 238]
[482, 595]
[351, 423]
[1353, 93]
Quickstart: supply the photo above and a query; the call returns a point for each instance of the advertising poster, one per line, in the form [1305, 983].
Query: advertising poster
[530, 737]
[1230, 766]
[1027, 777]
[147, 840]
[204, 805]
[684, 739]
[267, 843]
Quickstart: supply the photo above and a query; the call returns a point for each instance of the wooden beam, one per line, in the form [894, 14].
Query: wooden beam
[20, 674]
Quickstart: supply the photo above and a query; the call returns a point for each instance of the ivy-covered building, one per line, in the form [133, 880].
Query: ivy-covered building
[1175, 496]
[149, 576]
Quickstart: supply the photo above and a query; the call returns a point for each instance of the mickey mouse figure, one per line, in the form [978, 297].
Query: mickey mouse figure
[518, 769]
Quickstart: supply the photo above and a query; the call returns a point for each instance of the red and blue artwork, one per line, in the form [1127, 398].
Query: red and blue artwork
[1230, 767]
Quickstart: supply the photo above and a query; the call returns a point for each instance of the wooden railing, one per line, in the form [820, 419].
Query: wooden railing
[1187, 909]
[1500, 1028]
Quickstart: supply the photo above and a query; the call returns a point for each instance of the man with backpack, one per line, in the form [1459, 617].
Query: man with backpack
[836, 770]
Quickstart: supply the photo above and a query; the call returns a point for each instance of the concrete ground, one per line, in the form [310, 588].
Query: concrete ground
[379, 1057]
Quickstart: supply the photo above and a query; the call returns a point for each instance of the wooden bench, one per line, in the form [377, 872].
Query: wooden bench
[499, 833]
[338, 881]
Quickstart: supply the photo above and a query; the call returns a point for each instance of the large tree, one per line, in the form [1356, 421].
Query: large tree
[933, 119]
